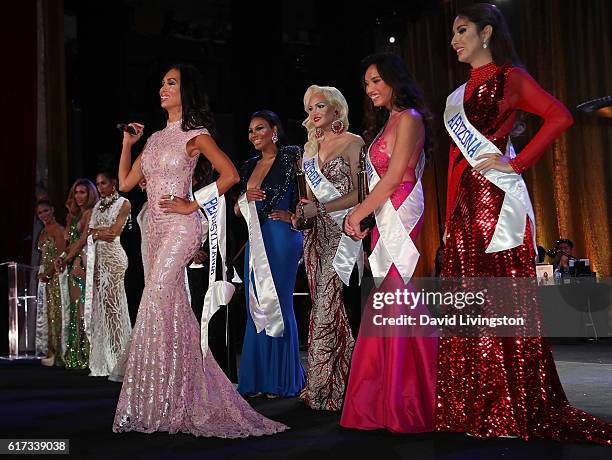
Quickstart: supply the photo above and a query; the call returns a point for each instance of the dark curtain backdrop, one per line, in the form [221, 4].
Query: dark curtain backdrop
[566, 47]
[18, 142]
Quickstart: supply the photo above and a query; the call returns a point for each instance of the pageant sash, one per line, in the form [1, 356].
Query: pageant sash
[89, 285]
[65, 301]
[264, 304]
[219, 292]
[394, 226]
[204, 224]
[510, 229]
[349, 252]
[42, 326]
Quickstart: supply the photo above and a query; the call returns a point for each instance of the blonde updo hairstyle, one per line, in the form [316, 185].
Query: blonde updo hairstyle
[337, 102]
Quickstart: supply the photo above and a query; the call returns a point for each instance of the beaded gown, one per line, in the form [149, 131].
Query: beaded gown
[330, 341]
[272, 364]
[49, 252]
[168, 385]
[110, 318]
[77, 345]
[502, 386]
[392, 379]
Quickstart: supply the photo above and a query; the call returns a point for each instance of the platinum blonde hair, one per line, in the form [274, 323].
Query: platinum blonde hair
[336, 100]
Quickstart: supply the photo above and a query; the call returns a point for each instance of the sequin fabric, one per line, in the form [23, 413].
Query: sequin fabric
[110, 318]
[330, 342]
[280, 178]
[504, 386]
[49, 253]
[77, 345]
[167, 385]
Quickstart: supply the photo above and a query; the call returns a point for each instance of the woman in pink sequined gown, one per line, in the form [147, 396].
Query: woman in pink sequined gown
[168, 385]
[500, 386]
[392, 379]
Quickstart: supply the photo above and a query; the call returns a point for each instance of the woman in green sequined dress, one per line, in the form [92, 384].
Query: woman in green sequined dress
[50, 244]
[81, 199]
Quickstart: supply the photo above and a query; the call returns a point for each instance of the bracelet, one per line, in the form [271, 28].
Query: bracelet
[322, 210]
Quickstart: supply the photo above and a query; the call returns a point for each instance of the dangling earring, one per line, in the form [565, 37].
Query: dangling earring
[274, 137]
[319, 133]
[484, 45]
[337, 126]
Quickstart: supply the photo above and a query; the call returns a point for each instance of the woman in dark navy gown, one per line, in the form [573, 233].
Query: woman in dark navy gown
[270, 361]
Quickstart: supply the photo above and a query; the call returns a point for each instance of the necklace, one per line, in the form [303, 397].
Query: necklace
[108, 201]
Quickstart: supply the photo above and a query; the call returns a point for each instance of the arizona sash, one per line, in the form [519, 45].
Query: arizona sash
[510, 229]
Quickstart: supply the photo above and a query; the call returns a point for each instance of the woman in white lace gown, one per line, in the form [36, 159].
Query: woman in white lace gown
[107, 319]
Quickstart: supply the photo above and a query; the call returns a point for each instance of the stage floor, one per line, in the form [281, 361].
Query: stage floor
[37, 402]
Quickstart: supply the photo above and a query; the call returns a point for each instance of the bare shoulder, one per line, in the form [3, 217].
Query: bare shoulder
[85, 217]
[58, 231]
[410, 116]
[126, 204]
[86, 214]
[353, 141]
[201, 142]
[204, 140]
[410, 120]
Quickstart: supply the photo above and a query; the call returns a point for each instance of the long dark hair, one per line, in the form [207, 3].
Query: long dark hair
[203, 173]
[406, 93]
[500, 44]
[273, 120]
[194, 100]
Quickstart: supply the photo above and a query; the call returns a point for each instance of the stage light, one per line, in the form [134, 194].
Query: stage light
[391, 39]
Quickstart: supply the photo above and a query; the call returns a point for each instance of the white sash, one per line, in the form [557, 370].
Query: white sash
[219, 292]
[349, 252]
[510, 229]
[65, 301]
[42, 330]
[265, 306]
[394, 245]
[90, 292]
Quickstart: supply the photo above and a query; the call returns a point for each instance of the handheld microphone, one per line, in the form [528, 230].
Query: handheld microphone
[127, 128]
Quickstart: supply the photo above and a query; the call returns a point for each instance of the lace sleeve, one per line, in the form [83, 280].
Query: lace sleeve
[524, 93]
[195, 133]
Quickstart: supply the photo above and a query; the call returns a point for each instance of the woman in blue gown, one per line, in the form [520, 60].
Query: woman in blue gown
[270, 362]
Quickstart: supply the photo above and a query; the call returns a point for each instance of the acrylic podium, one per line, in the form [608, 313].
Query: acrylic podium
[19, 310]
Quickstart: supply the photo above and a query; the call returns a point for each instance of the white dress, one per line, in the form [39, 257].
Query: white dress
[110, 326]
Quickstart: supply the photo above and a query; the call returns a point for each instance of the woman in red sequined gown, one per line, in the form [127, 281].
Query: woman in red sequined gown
[486, 386]
[392, 379]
